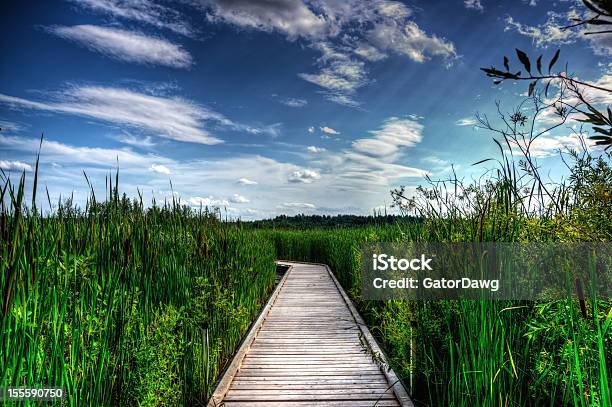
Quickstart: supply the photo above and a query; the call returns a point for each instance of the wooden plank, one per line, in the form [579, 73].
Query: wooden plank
[230, 372]
[336, 403]
[306, 397]
[392, 378]
[308, 351]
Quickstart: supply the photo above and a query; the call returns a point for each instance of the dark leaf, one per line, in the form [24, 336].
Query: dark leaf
[602, 131]
[532, 86]
[506, 64]
[599, 22]
[500, 146]
[599, 138]
[524, 60]
[597, 113]
[546, 89]
[492, 71]
[591, 6]
[539, 64]
[553, 60]
[610, 115]
[482, 161]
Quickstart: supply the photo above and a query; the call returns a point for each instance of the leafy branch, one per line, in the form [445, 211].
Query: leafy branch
[601, 122]
[602, 10]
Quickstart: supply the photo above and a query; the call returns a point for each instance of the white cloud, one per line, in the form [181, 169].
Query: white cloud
[407, 38]
[170, 117]
[290, 17]
[311, 129]
[344, 100]
[294, 102]
[435, 161]
[145, 11]
[548, 146]
[304, 176]
[67, 154]
[373, 164]
[466, 121]
[10, 126]
[198, 201]
[369, 52]
[126, 45]
[246, 181]
[551, 32]
[339, 30]
[161, 169]
[473, 4]
[545, 34]
[299, 205]
[394, 133]
[374, 147]
[340, 77]
[141, 142]
[315, 149]
[595, 97]
[329, 130]
[15, 165]
[239, 199]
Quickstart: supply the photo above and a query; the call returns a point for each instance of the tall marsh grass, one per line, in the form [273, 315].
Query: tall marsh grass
[122, 305]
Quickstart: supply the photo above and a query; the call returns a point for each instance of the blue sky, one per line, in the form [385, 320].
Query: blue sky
[268, 107]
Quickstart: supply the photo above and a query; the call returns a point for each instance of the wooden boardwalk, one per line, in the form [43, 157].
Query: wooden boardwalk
[309, 347]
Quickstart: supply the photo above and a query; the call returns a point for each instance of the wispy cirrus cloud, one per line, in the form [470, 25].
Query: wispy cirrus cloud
[347, 33]
[549, 146]
[329, 130]
[124, 45]
[239, 199]
[208, 201]
[298, 205]
[373, 163]
[340, 75]
[305, 176]
[169, 117]
[394, 134]
[11, 126]
[54, 151]
[315, 149]
[294, 102]
[131, 140]
[14, 165]
[473, 4]
[466, 121]
[160, 169]
[246, 181]
[144, 11]
[290, 17]
[551, 32]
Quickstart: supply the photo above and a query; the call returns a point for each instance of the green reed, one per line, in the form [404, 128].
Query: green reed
[470, 352]
[122, 305]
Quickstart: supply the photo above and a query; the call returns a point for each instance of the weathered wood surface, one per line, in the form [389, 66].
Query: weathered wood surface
[309, 348]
